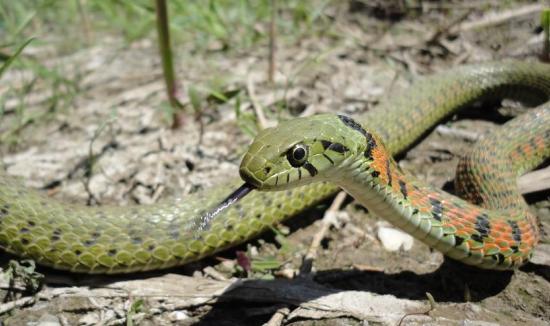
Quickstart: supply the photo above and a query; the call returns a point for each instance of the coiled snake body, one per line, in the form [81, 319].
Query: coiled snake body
[499, 235]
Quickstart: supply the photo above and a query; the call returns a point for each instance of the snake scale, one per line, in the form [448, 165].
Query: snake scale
[498, 232]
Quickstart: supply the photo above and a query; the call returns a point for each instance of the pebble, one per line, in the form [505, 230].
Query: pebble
[178, 316]
[48, 320]
[394, 239]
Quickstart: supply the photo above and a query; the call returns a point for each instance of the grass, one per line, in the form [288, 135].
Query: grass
[227, 24]
[198, 26]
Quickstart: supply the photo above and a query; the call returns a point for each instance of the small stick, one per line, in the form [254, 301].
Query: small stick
[272, 41]
[501, 17]
[88, 35]
[459, 133]
[534, 181]
[278, 317]
[25, 301]
[210, 271]
[545, 23]
[328, 220]
[262, 121]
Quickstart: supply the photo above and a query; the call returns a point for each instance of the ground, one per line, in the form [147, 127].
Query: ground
[102, 137]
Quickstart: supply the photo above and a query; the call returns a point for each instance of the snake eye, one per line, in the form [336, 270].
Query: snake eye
[297, 155]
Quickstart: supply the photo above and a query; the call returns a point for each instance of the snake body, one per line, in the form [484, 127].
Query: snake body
[139, 238]
[339, 150]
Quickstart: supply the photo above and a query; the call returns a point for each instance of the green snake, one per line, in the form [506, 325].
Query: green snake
[498, 232]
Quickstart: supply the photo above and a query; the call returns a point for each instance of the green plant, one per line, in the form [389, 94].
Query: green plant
[165, 49]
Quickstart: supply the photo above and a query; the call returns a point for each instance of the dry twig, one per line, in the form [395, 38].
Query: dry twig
[534, 181]
[272, 41]
[262, 121]
[328, 220]
[278, 317]
[22, 302]
[501, 17]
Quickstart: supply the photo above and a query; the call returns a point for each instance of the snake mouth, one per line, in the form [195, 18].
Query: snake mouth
[250, 180]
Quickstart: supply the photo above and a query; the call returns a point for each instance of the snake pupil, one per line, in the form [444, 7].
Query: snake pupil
[297, 155]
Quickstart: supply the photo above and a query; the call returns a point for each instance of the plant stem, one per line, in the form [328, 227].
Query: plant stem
[545, 23]
[272, 41]
[167, 63]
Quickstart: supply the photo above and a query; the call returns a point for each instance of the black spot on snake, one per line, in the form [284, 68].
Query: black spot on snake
[112, 252]
[482, 225]
[352, 124]
[310, 168]
[437, 208]
[458, 241]
[371, 145]
[175, 234]
[403, 188]
[388, 171]
[25, 241]
[89, 243]
[55, 237]
[476, 237]
[78, 252]
[4, 210]
[31, 223]
[151, 247]
[516, 232]
[375, 174]
[514, 248]
[501, 258]
[24, 230]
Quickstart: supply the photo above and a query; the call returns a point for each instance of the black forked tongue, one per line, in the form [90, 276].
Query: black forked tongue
[234, 197]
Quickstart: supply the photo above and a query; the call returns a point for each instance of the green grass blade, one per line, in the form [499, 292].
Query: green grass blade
[14, 56]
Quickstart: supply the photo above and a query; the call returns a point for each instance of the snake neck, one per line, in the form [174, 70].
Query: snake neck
[463, 231]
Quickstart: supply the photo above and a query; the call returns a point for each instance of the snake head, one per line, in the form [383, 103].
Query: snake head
[300, 151]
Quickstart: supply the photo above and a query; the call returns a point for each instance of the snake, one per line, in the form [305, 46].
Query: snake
[494, 229]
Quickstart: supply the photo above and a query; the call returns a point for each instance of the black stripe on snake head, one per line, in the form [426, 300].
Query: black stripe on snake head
[371, 145]
[337, 147]
[310, 168]
[352, 124]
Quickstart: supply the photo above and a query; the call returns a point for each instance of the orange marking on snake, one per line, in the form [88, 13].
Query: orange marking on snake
[380, 157]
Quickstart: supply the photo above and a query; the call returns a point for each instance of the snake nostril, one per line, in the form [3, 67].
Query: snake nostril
[267, 169]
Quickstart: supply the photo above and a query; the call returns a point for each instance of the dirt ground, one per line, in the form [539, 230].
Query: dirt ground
[116, 114]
